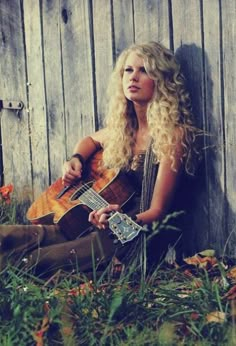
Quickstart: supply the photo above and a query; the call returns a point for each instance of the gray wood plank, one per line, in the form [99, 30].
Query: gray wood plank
[77, 70]
[229, 83]
[1, 161]
[103, 49]
[214, 121]
[15, 130]
[151, 21]
[37, 102]
[57, 59]
[187, 32]
[123, 25]
[53, 62]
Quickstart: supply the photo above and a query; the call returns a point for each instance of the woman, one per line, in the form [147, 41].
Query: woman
[148, 134]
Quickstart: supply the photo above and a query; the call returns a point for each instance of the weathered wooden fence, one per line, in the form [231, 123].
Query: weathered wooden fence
[56, 57]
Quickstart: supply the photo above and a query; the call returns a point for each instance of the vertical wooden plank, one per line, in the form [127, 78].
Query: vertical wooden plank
[188, 46]
[51, 25]
[123, 34]
[37, 102]
[187, 34]
[103, 48]
[77, 70]
[151, 20]
[214, 119]
[229, 80]
[1, 162]
[15, 130]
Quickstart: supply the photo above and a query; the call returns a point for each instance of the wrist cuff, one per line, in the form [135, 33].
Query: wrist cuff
[79, 157]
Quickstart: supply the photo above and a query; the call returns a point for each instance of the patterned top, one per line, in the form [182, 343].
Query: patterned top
[136, 170]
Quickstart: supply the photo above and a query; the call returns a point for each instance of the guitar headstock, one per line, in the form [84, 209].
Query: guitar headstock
[123, 227]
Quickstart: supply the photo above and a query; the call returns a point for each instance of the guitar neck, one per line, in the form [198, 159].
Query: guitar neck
[120, 224]
[93, 200]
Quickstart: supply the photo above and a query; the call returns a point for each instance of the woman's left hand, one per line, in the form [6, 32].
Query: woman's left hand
[99, 217]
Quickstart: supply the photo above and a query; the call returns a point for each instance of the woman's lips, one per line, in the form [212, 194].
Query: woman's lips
[133, 88]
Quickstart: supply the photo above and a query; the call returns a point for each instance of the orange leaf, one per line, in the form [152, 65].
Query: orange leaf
[38, 335]
[232, 273]
[202, 262]
[216, 316]
[83, 289]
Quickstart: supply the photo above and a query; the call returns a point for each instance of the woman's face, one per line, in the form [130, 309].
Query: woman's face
[137, 86]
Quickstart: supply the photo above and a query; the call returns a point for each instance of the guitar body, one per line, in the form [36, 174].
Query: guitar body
[67, 210]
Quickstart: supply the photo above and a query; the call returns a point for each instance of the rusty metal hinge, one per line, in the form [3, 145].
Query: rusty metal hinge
[11, 105]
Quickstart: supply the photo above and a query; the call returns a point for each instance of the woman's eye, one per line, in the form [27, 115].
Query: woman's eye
[128, 69]
[142, 69]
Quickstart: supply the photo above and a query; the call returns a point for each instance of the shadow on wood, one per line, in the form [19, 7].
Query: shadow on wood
[204, 197]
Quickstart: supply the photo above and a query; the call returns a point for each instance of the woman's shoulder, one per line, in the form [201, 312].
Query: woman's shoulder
[100, 136]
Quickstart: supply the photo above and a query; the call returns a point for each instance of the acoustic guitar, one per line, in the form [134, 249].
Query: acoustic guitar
[69, 206]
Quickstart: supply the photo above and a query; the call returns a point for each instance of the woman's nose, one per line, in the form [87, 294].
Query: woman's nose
[134, 76]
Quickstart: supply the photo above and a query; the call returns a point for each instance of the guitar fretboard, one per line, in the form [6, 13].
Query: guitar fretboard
[92, 199]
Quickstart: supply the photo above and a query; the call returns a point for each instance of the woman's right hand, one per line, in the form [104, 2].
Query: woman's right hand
[99, 218]
[72, 171]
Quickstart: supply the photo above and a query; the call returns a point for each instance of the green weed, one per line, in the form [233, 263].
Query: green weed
[172, 305]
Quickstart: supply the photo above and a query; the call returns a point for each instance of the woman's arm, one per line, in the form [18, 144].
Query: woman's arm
[165, 187]
[166, 184]
[90, 144]
[167, 181]
[73, 168]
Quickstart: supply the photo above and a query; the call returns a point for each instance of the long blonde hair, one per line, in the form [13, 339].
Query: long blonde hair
[169, 110]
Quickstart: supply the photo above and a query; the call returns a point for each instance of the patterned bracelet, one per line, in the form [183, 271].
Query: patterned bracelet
[79, 157]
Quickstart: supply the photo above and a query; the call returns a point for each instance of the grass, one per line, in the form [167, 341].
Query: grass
[191, 304]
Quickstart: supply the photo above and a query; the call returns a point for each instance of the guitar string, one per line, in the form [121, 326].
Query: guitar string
[93, 200]
[93, 196]
[90, 197]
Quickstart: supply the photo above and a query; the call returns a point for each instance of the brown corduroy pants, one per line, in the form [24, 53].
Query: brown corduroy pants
[45, 249]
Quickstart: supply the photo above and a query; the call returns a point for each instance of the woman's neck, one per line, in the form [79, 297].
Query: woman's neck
[141, 114]
[142, 137]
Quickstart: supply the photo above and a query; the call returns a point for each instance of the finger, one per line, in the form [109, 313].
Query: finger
[103, 220]
[71, 168]
[70, 178]
[92, 217]
[73, 173]
[95, 220]
[108, 209]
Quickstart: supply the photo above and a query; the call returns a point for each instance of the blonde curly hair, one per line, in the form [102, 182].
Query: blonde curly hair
[168, 113]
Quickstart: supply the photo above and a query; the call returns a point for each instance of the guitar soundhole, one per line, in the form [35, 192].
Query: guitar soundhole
[82, 189]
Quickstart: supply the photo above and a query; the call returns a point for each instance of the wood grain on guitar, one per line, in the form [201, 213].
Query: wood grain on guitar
[69, 207]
